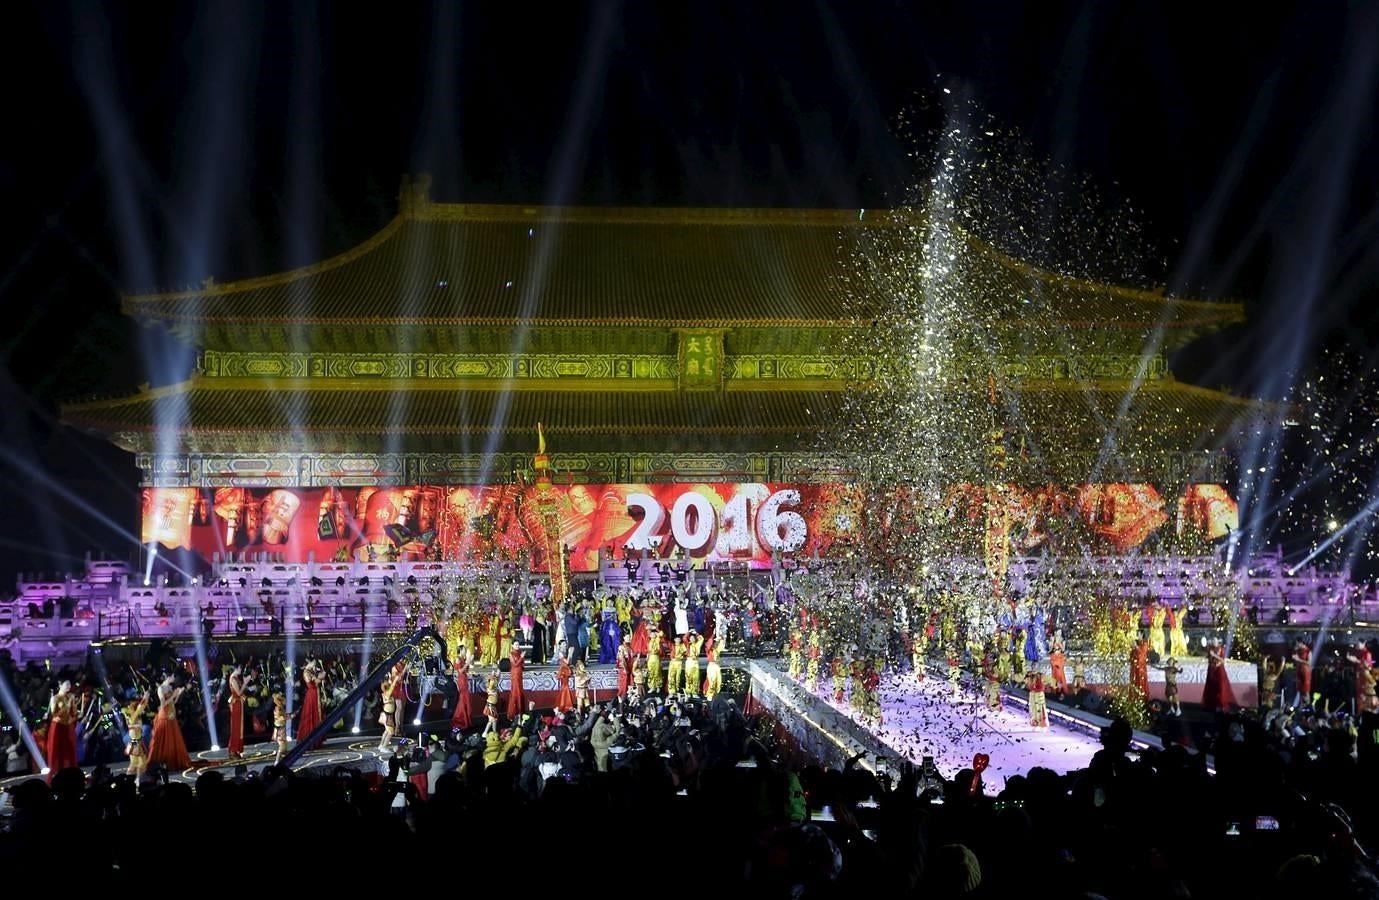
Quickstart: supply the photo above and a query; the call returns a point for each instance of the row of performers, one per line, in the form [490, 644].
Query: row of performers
[639, 675]
[493, 634]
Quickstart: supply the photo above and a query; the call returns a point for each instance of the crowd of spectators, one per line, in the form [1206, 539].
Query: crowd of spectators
[686, 798]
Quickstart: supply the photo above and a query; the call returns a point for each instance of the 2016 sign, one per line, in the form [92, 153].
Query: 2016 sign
[753, 518]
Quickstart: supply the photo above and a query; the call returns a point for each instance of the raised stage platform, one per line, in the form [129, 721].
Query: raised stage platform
[926, 718]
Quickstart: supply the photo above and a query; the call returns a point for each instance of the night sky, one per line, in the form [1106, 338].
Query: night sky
[152, 145]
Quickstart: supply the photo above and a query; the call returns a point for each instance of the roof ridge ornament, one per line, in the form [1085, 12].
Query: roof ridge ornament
[414, 195]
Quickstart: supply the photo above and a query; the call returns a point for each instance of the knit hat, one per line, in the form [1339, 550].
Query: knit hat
[954, 870]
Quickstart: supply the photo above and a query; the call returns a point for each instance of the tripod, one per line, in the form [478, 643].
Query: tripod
[977, 719]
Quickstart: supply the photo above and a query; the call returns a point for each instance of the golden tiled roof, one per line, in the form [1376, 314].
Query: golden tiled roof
[452, 264]
[207, 414]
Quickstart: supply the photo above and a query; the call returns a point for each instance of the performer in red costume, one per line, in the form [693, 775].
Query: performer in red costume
[64, 711]
[565, 698]
[167, 746]
[462, 718]
[239, 691]
[515, 703]
[1217, 693]
[1139, 667]
[312, 674]
[1057, 661]
[1302, 663]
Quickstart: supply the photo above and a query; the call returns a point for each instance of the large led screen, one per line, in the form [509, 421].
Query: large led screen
[714, 522]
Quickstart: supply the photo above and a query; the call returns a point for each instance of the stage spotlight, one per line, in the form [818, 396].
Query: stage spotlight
[354, 730]
[364, 581]
[267, 582]
[316, 582]
[340, 581]
[215, 747]
[307, 625]
[412, 580]
[241, 626]
[44, 771]
[417, 720]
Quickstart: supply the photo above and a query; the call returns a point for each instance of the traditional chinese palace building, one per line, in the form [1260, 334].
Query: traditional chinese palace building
[657, 346]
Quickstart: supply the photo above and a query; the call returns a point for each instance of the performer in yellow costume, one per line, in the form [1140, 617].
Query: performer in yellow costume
[135, 749]
[678, 652]
[1177, 640]
[1157, 613]
[857, 669]
[713, 672]
[811, 668]
[694, 644]
[796, 654]
[920, 647]
[653, 660]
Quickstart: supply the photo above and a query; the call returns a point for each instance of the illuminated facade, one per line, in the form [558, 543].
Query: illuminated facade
[385, 402]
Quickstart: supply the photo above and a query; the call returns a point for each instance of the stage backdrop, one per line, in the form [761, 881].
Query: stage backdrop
[717, 522]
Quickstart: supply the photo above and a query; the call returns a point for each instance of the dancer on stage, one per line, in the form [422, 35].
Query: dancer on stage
[1217, 693]
[811, 665]
[565, 698]
[519, 662]
[491, 702]
[1302, 665]
[919, 644]
[1269, 670]
[871, 696]
[676, 670]
[391, 692]
[582, 680]
[64, 711]
[310, 717]
[279, 725]
[238, 690]
[1171, 671]
[1177, 640]
[796, 655]
[1057, 666]
[840, 676]
[638, 692]
[992, 681]
[135, 749]
[1038, 706]
[462, 718]
[1158, 614]
[713, 672]
[624, 664]
[693, 644]
[653, 659]
[1139, 668]
[167, 746]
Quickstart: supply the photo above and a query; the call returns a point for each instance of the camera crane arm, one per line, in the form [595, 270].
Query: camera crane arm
[366, 684]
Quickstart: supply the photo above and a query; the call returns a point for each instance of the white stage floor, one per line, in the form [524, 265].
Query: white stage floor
[921, 719]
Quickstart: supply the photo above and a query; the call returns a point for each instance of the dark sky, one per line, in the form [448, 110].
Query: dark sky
[155, 144]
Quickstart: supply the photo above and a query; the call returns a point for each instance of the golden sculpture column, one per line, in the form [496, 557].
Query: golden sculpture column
[557, 566]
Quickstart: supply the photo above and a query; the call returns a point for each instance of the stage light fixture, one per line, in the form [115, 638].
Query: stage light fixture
[241, 626]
